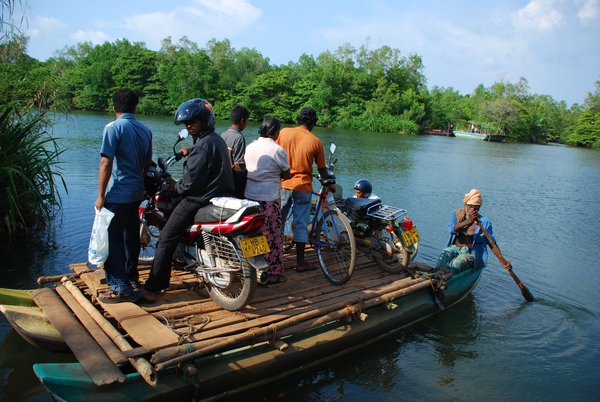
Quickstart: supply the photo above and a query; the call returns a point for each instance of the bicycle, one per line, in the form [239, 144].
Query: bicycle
[329, 233]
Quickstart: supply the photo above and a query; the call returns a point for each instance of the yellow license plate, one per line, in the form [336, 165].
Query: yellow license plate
[410, 237]
[253, 246]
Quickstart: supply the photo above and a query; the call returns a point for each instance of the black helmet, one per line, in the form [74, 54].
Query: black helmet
[196, 108]
[365, 186]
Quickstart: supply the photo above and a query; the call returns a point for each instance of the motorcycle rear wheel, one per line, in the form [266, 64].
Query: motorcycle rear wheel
[232, 290]
[400, 256]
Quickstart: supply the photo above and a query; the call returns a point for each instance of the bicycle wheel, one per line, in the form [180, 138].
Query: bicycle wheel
[336, 247]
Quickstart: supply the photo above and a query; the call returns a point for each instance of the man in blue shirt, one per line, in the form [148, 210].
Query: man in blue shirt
[126, 155]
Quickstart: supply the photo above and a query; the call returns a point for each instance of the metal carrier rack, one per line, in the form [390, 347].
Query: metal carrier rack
[385, 212]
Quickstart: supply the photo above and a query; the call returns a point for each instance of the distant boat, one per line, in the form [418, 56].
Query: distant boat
[480, 136]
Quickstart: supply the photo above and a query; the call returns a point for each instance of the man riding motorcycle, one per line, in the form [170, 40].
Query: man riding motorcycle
[206, 174]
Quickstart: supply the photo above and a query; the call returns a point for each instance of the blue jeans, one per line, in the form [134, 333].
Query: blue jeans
[123, 246]
[299, 202]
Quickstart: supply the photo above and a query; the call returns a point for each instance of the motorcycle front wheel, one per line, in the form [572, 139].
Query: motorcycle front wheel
[148, 239]
[233, 282]
[336, 247]
[399, 258]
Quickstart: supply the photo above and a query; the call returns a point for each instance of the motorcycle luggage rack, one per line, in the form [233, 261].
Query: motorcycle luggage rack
[385, 212]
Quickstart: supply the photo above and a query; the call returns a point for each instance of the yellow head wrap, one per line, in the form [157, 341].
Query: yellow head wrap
[473, 198]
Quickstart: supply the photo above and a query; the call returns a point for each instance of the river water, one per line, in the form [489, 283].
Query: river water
[543, 202]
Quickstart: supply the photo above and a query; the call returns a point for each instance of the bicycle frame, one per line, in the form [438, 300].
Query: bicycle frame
[321, 207]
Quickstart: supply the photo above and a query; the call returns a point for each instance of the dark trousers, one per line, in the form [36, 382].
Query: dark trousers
[123, 246]
[180, 219]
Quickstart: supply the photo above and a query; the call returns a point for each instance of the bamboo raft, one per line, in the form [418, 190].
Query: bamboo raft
[185, 324]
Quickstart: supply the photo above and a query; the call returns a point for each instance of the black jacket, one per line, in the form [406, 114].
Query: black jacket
[207, 171]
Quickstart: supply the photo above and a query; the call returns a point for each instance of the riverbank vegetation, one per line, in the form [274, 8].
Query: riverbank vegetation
[362, 89]
[30, 175]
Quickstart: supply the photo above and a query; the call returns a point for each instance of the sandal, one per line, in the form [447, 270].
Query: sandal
[275, 279]
[112, 296]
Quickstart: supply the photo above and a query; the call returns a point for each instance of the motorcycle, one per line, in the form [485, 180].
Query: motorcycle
[383, 232]
[224, 247]
[380, 232]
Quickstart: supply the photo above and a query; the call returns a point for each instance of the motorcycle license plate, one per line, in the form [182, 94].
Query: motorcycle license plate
[410, 237]
[253, 246]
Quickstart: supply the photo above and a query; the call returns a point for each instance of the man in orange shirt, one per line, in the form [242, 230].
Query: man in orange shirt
[303, 148]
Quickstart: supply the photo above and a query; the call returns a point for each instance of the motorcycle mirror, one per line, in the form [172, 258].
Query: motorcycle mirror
[332, 148]
[181, 135]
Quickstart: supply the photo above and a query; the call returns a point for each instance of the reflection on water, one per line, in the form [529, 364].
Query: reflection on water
[542, 200]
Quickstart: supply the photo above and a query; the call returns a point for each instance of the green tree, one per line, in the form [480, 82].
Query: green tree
[270, 95]
[587, 129]
[92, 78]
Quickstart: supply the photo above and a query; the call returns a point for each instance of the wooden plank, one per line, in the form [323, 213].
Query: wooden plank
[92, 327]
[141, 365]
[91, 356]
[95, 278]
[143, 327]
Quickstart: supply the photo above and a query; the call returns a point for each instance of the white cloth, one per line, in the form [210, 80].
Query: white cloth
[265, 161]
[232, 202]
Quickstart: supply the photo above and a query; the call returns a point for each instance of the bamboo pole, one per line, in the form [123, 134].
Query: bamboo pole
[298, 323]
[141, 365]
[322, 305]
[57, 278]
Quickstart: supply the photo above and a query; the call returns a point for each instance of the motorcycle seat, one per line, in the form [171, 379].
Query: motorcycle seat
[360, 206]
[213, 213]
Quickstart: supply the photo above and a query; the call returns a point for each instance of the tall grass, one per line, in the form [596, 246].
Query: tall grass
[30, 174]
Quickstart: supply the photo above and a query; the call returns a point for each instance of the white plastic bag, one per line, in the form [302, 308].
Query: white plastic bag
[98, 249]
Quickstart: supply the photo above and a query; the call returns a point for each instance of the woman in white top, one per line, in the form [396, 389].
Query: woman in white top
[267, 164]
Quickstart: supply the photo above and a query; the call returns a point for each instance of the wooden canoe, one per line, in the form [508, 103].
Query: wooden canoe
[16, 297]
[33, 325]
[205, 352]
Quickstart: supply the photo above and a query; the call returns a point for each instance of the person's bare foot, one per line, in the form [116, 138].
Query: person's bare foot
[145, 297]
[304, 266]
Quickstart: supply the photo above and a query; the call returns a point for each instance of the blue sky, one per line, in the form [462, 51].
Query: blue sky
[554, 44]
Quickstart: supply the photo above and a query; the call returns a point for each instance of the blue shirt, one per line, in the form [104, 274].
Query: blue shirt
[129, 143]
[480, 242]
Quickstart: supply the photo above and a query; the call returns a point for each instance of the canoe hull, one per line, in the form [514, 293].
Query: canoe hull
[33, 326]
[253, 366]
[16, 297]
